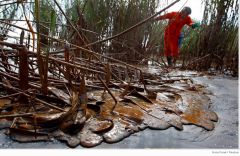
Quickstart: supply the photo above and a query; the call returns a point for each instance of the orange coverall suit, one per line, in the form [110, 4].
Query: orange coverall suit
[173, 31]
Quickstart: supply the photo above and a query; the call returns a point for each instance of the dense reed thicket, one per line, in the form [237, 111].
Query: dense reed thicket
[214, 45]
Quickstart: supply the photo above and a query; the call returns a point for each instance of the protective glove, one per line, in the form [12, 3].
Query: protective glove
[196, 25]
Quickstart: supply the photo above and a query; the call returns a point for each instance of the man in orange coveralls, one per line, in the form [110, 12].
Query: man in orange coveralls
[176, 22]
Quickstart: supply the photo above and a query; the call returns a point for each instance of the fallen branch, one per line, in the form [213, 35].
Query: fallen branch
[16, 115]
[105, 86]
[36, 99]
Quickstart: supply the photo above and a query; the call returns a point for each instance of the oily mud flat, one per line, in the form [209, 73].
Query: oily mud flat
[223, 92]
[110, 115]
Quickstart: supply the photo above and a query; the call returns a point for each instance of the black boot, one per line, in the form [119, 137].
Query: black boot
[169, 60]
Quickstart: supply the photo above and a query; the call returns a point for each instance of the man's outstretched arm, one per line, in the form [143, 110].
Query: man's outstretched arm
[192, 24]
[166, 16]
